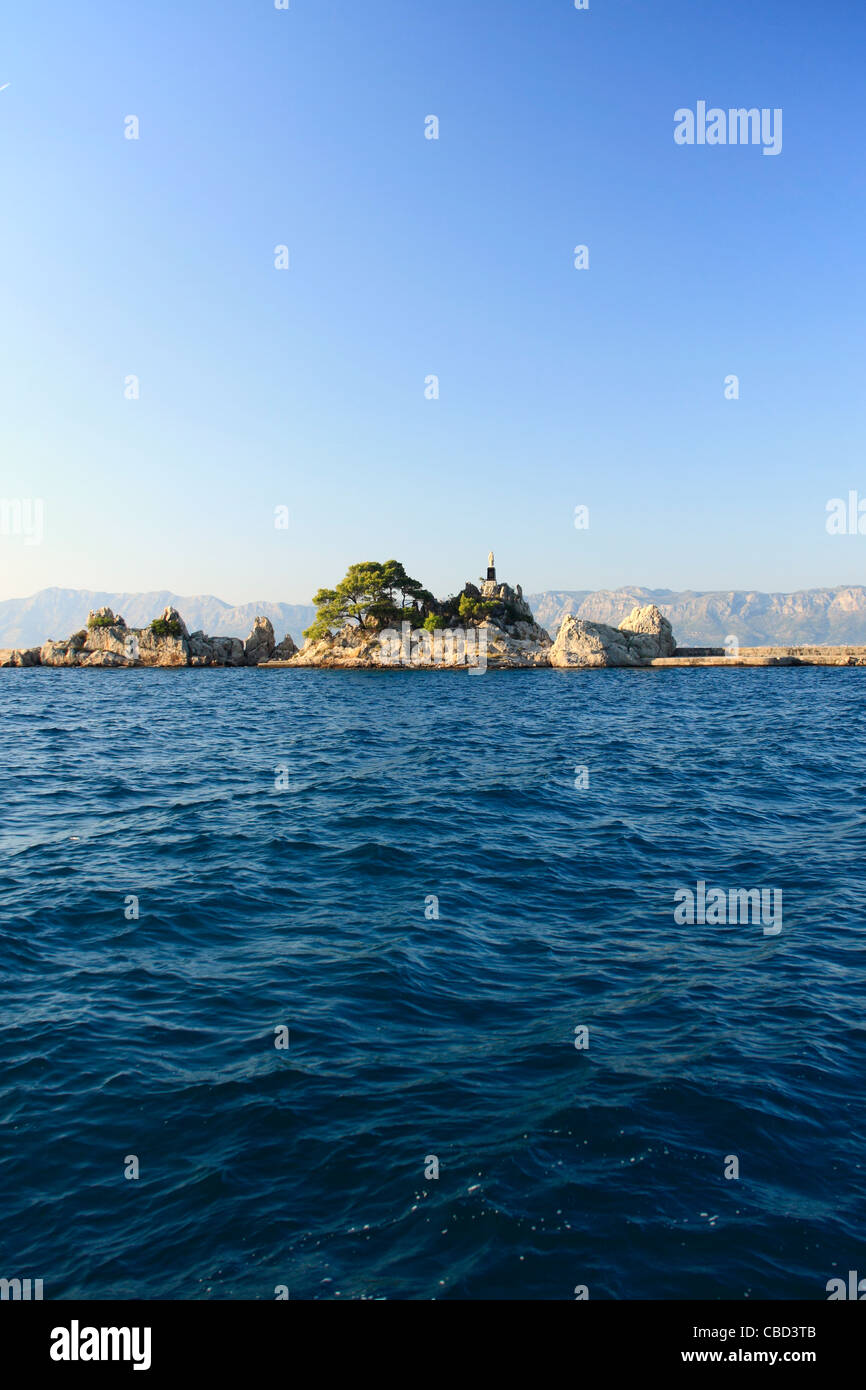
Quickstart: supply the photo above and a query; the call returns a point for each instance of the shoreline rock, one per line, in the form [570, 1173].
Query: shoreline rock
[645, 635]
[643, 640]
[521, 644]
[108, 642]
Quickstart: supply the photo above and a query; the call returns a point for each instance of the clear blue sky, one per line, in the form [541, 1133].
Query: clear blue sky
[409, 257]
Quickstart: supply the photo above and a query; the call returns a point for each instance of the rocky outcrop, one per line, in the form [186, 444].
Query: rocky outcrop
[134, 646]
[171, 616]
[523, 644]
[527, 631]
[106, 659]
[152, 650]
[108, 642]
[103, 617]
[261, 642]
[215, 651]
[285, 650]
[227, 651]
[352, 647]
[579, 643]
[644, 635]
[16, 656]
[66, 653]
[649, 632]
[116, 639]
[200, 649]
[231, 651]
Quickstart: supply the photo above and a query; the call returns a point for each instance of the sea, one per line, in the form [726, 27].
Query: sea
[378, 985]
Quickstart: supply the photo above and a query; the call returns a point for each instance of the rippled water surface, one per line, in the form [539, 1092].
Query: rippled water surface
[413, 1036]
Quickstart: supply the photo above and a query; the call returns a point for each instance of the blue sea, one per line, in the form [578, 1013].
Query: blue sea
[402, 876]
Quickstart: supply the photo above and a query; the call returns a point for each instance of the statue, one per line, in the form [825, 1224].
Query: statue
[490, 560]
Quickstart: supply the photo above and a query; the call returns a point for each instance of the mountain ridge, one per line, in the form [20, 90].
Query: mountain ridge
[55, 613]
[827, 616]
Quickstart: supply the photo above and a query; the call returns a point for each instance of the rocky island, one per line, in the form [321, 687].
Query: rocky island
[106, 641]
[378, 617]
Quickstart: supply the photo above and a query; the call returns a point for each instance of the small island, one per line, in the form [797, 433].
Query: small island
[380, 618]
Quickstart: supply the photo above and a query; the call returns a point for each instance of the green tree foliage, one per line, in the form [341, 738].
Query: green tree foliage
[474, 609]
[373, 595]
[397, 581]
[376, 595]
[165, 627]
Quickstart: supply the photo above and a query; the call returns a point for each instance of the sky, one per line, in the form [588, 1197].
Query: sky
[308, 389]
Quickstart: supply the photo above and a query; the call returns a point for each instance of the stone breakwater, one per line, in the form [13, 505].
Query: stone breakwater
[768, 656]
[644, 639]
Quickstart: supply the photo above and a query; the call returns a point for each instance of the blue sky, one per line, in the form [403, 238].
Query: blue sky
[409, 257]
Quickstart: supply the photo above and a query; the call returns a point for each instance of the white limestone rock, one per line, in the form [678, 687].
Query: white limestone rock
[104, 617]
[109, 639]
[20, 656]
[522, 645]
[107, 659]
[350, 646]
[261, 642]
[355, 648]
[643, 636]
[161, 651]
[65, 653]
[580, 643]
[171, 615]
[648, 632]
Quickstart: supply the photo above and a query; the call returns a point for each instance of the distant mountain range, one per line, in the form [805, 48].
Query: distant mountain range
[810, 616]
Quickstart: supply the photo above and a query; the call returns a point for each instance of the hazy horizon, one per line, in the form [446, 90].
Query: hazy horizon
[529, 591]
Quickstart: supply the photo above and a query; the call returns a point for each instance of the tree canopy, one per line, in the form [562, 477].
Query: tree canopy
[373, 595]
